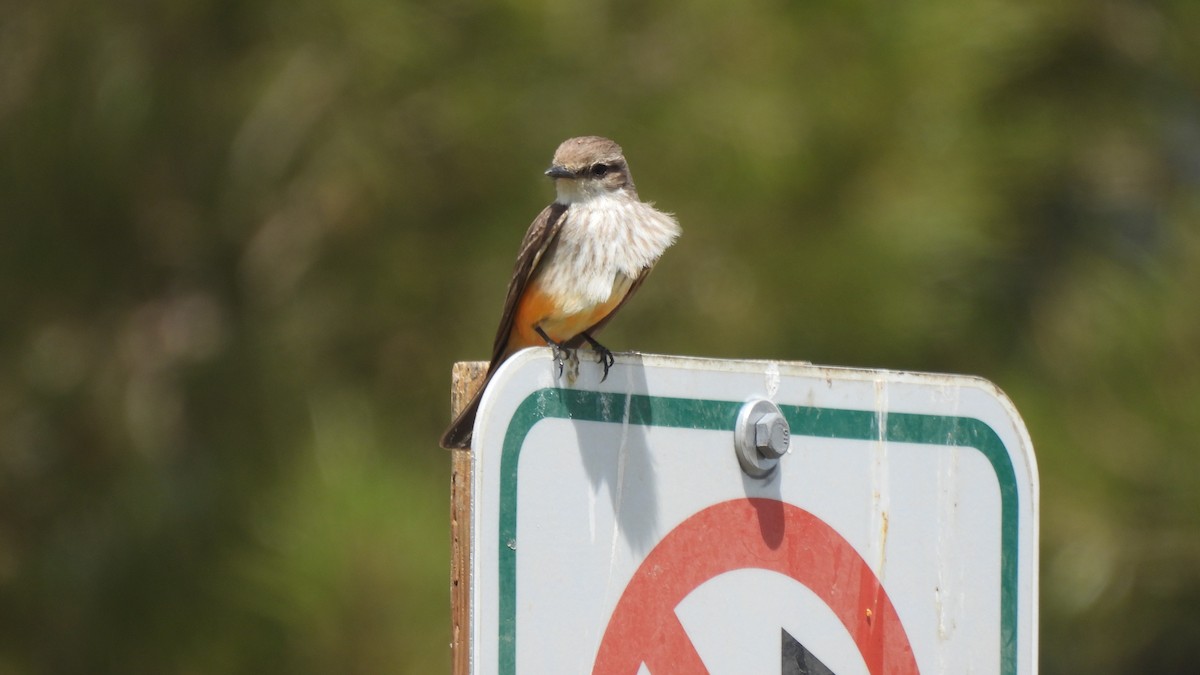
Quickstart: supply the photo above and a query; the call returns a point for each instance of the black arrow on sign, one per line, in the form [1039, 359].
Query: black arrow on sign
[799, 661]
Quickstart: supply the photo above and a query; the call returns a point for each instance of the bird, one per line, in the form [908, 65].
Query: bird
[581, 259]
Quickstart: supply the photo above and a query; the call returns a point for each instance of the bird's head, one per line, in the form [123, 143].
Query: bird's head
[589, 166]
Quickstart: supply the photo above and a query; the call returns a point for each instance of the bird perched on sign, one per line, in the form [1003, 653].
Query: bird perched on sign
[582, 258]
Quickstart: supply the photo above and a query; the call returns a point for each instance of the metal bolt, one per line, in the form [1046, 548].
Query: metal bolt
[761, 437]
[771, 435]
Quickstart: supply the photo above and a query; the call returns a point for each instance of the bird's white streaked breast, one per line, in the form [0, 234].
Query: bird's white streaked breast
[602, 238]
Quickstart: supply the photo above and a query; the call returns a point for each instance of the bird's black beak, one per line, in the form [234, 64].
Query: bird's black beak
[557, 171]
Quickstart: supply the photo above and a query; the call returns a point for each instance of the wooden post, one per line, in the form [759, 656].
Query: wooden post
[467, 377]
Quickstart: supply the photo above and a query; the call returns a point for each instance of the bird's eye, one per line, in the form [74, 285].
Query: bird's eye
[599, 169]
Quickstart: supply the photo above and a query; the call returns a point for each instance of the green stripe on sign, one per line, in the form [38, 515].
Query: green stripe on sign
[683, 413]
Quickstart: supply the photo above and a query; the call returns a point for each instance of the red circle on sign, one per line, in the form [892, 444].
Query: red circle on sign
[741, 534]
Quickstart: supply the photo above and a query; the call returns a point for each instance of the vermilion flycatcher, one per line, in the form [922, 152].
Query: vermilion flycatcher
[582, 258]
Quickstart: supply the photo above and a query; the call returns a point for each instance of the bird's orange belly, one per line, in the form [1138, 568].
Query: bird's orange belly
[538, 309]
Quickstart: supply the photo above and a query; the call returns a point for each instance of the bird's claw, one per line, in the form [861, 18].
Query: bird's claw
[605, 356]
[561, 355]
[607, 359]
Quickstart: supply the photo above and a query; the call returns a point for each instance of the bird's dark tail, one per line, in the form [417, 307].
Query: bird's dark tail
[459, 433]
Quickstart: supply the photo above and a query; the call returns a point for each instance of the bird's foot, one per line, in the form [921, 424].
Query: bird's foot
[561, 353]
[605, 356]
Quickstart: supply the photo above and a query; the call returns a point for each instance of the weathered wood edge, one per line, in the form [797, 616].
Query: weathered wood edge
[466, 378]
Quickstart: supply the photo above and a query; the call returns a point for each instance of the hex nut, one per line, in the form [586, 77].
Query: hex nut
[771, 435]
[761, 436]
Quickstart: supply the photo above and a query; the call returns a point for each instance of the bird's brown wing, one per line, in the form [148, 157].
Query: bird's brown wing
[538, 237]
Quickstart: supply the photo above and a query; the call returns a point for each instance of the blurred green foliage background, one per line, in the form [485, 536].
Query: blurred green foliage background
[242, 241]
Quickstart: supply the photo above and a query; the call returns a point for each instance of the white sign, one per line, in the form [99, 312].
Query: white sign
[614, 530]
